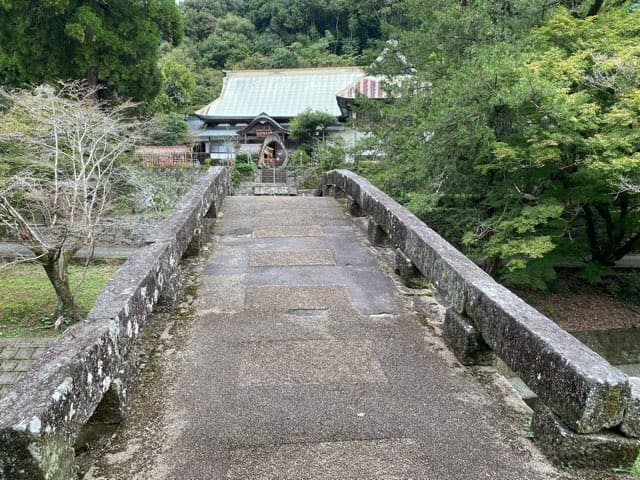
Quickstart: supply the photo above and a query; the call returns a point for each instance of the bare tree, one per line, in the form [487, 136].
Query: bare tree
[65, 144]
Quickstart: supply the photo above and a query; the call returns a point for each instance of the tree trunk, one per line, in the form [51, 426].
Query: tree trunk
[91, 76]
[595, 8]
[57, 274]
[608, 243]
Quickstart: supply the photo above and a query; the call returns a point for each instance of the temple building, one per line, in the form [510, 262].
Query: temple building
[253, 111]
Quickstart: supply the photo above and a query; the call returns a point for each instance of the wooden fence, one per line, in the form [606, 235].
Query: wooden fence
[166, 156]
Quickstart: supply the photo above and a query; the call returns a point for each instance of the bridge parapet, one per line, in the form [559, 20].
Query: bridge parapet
[585, 400]
[87, 371]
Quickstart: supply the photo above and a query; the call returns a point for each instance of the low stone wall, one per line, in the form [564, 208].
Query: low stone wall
[43, 413]
[583, 392]
[120, 231]
[126, 230]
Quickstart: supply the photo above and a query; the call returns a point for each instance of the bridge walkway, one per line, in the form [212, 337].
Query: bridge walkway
[305, 362]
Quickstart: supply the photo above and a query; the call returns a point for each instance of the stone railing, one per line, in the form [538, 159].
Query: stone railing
[588, 412]
[86, 371]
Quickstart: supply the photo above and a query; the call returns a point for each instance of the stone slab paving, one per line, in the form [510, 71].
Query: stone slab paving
[284, 298]
[18, 354]
[297, 370]
[310, 362]
[287, 231]
[387, 458]
[280, 258]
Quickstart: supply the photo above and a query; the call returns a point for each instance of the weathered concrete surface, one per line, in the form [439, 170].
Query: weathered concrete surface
[631, 424]
[576, 383]
[288, 231]
[43, 413]
[266, 189]
[580, 450]
[279, 258]
[371, 459]
[315, 372]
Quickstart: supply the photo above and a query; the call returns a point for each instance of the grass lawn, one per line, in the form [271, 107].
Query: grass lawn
[28, 302]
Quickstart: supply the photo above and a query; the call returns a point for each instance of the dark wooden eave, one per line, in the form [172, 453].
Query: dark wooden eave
[264, 119]
[219, 120]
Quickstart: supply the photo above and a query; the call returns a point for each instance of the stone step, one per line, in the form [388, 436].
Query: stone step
[273, 175]
[274, 189]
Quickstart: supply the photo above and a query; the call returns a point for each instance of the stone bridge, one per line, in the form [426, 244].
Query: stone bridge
[304, 359]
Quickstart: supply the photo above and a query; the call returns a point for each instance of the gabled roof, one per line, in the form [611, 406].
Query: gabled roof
[280, 93]
[263, 119]
[369, 87]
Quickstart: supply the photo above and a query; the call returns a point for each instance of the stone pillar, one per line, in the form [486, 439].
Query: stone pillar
[338, 193]
[354, 209]
[631, 423]
[113, 406]
[171, 290]
[408, 272]
[328, 190]
[25, 456]
[583, 450]
[197, 240]
[213, 211]
[465, 340]
[376, 235]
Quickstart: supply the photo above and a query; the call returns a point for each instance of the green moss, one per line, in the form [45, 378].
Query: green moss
[58, 460]
[612, 404]
[635, 470]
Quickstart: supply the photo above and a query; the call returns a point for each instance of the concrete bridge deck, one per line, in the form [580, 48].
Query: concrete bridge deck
[305, 362]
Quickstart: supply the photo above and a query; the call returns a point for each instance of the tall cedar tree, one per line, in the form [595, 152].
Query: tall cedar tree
[112, 43]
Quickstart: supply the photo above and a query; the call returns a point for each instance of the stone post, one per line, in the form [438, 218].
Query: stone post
[354, 208]
[408, 272]
[376, 235]
[464, 340]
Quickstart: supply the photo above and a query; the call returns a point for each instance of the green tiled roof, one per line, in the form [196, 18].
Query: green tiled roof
[281, 93]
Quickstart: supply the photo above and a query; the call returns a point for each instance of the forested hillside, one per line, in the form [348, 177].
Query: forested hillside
[118, 44]
[256, 34]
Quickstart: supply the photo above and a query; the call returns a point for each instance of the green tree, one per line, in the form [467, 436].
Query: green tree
[283, 58]
[310, 126]
[193, 83]
[511, 140]
[584, 135]
[261, 34]
[178, 86]
[113, 43]
[168, 129]
[230, 42]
